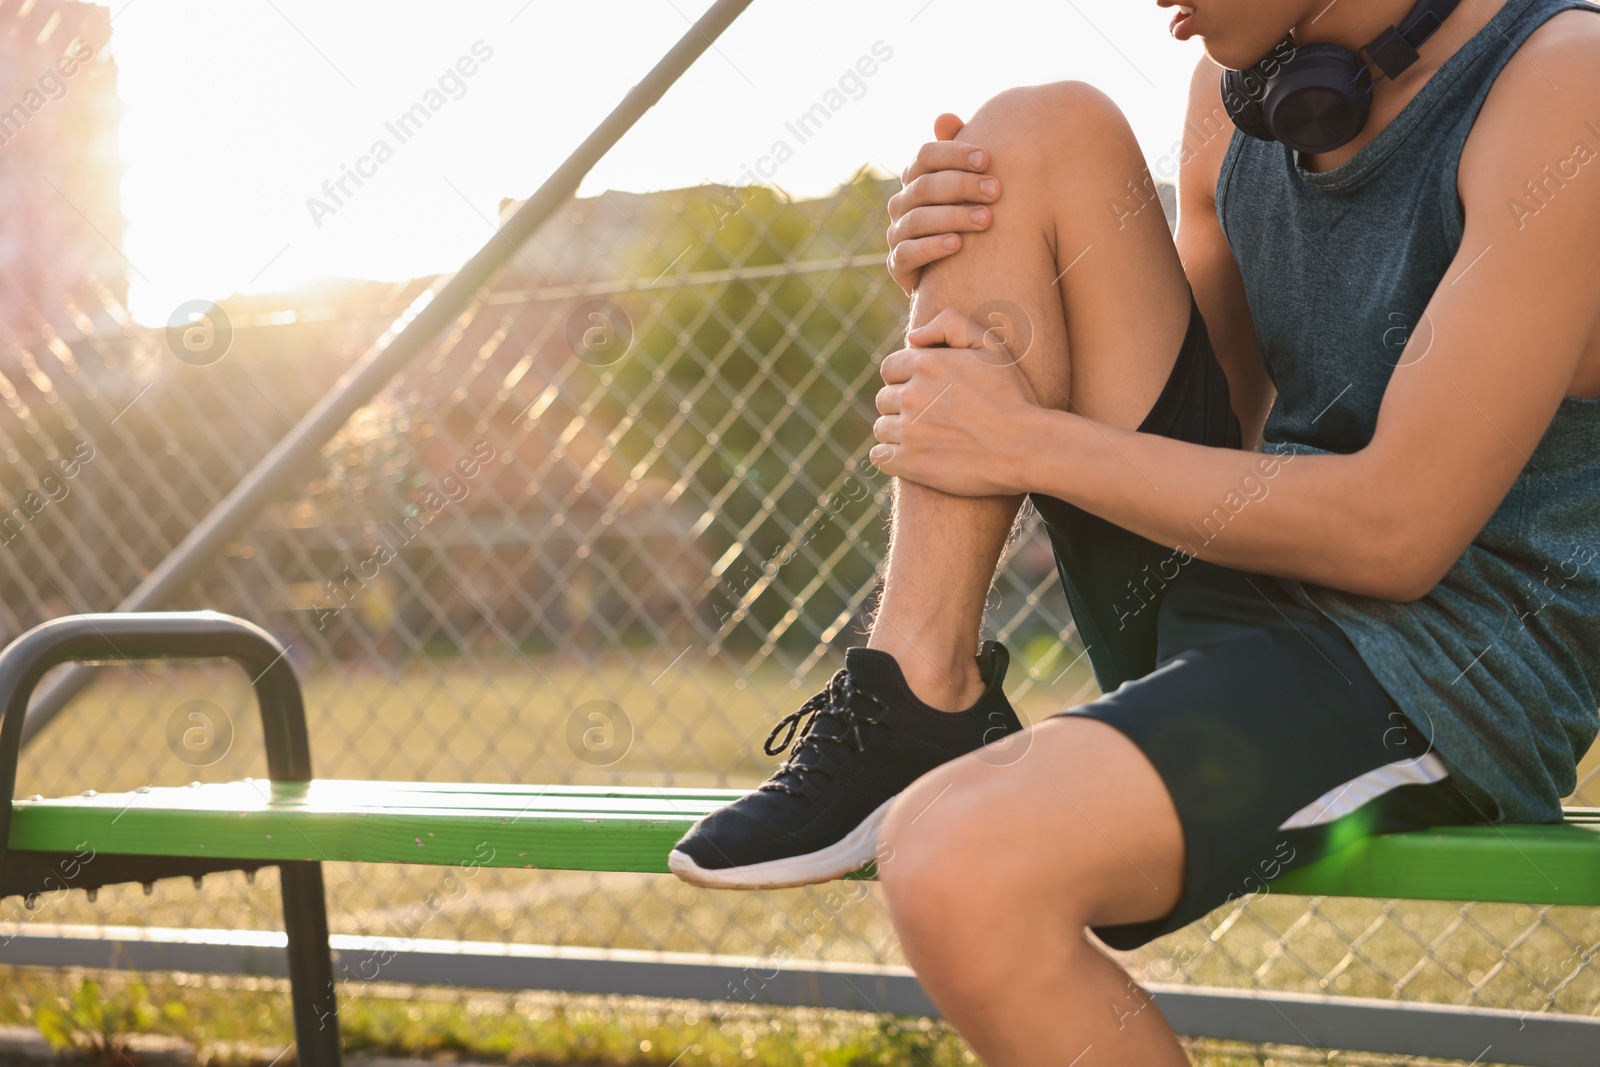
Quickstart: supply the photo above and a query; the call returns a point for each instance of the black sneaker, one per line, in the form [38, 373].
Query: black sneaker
[859, 742]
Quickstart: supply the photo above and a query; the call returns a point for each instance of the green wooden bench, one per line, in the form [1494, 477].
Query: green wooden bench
[294, 822]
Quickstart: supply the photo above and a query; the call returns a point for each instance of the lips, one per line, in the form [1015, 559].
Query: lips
[1182, 27]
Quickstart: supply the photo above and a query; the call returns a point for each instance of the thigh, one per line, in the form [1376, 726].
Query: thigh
[1274, 741]
[1114, 579]
[1078, 265]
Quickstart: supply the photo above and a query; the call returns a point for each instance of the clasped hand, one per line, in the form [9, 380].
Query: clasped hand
[956, 413]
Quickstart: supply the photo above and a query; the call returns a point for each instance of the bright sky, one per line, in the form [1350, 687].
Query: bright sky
[239, 110]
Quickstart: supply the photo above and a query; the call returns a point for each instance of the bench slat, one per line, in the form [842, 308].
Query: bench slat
[562, 828]
[1557, 864]
[336, 796]
[631, 828]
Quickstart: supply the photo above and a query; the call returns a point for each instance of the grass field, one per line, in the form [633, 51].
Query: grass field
[246, 1024]
[693, 722]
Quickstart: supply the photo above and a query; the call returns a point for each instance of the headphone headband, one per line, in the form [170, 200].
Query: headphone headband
[1395, 49]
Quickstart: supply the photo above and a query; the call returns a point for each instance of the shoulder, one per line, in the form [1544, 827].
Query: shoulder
[1573, 28]
[1543, 107]
[1551, 85]
[1563, 51]
[1207, 130]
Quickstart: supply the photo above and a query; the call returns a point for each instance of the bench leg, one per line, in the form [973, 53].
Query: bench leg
[305, 920]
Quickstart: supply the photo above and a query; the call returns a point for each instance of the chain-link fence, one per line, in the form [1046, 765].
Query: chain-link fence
[606, 529]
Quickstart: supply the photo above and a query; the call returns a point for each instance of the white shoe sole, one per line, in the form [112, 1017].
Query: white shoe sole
[850, 853]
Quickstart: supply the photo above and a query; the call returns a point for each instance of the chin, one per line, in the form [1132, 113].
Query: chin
[1235, 54]
[1244, 43]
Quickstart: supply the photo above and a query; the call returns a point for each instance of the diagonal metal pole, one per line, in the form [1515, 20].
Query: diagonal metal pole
[382, 362]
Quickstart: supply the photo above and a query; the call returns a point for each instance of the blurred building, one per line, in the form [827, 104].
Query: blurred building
[603, 506]
[61, 268]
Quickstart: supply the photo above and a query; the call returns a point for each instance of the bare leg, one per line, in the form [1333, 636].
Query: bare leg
[992, 872]
[1100, 289]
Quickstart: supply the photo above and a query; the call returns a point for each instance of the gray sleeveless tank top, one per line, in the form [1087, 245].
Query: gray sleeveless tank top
[1500, 664]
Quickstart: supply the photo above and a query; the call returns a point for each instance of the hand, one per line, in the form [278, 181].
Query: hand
[957, 414]
[946, 193]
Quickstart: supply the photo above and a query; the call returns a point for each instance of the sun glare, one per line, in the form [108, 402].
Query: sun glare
[265, 146]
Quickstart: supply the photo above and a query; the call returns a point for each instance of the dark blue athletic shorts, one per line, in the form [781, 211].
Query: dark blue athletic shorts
[1274, 740]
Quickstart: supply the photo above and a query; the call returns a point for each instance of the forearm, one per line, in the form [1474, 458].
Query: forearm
[1318, 518]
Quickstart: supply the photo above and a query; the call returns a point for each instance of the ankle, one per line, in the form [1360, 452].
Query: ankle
[953, 689]
[946, 682]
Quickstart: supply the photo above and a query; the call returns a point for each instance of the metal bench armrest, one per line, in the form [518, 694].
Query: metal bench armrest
[133, 636]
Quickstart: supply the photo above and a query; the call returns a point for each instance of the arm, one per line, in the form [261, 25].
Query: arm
[1511, 326]
[1208, 260]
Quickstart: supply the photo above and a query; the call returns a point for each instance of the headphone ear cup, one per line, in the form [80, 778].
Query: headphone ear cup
[1242, 94]
[1320, 100]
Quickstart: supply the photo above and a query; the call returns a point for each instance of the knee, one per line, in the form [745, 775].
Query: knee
[1035, 121]
[932, 874]
[957, 888]
[1064, 151]
[915, 867]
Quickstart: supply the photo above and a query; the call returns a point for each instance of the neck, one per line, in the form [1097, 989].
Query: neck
[1351, 23]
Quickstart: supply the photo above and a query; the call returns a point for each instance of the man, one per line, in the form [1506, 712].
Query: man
[1322, 477]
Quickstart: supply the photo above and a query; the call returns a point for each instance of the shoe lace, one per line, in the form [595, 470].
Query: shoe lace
[837, 700]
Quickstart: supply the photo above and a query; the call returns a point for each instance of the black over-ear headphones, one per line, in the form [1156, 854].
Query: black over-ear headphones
[1316, 97]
